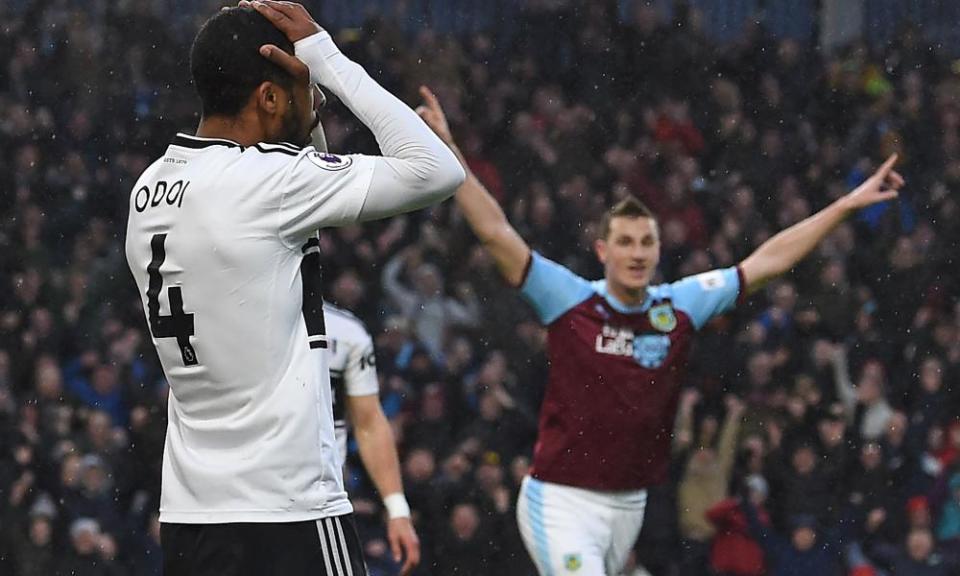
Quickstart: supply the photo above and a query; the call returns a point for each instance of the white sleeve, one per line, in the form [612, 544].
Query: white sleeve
[360, 373]
[321, 190]
[417, 169]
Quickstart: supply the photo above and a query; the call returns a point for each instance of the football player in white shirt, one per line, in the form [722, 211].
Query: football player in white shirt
[353, 375]
[217, 232]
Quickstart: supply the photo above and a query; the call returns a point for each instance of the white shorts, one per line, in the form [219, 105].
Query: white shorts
[576, 531]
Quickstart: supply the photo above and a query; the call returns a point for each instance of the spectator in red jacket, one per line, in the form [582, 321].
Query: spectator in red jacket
[734, 551]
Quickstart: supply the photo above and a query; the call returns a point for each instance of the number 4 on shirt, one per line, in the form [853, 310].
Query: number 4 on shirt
[178, 324]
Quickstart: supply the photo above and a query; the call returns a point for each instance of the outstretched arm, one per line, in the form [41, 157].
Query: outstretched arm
[481, 210]
[416, 168]
[782, 252]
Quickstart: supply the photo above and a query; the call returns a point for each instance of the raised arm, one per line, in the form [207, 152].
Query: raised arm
[782, 252]
[683, 426]
[841, 379]
[727, 448]
[481, 210]
[416, 169]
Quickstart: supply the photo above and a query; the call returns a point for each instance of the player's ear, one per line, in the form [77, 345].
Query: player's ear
[600, 247]
[270, 97]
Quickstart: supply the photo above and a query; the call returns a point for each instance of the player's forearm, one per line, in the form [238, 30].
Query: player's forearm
[417, 162]
[379, 454]
[488, 221]
[782, 252]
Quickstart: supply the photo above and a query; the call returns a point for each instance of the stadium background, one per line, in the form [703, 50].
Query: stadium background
[728, 119]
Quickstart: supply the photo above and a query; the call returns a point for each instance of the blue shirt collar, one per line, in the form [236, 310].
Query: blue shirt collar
[601, 287]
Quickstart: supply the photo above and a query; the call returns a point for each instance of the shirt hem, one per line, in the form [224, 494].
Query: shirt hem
[251, 516]
[594, 486]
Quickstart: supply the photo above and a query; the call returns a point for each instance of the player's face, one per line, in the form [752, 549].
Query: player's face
[301, 115]
[630, 252]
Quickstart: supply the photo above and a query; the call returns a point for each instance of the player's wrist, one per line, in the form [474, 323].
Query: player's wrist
[314, 50]
[847, 205]
[397, 506]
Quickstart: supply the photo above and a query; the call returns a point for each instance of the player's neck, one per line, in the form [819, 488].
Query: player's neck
[235, 129]
[626, 296]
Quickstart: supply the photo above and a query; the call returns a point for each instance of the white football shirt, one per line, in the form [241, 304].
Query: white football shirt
[353, 366]
[216, 239]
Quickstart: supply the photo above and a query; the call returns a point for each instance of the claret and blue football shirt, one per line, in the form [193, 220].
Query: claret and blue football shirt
[615, 373]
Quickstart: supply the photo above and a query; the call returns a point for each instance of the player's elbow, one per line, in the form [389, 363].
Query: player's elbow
[758, 269]
[447, 174]
[439, 171]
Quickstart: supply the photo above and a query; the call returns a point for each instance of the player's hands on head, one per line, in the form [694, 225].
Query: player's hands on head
[432, 114]
[293, 65]
[883, 185]
[289, 17]
[404, 543]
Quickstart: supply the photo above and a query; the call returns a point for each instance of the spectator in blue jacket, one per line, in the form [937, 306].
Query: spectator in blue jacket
[806, 552]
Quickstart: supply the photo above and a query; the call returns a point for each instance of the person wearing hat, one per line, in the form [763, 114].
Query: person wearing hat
[33, 540]
[807, 551]
[95, 497]
[91, 552]
[918, 513]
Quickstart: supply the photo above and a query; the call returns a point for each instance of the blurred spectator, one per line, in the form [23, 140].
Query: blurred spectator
[36, 555]
[734, 552]
[916, 557]
[948, 529]
[91, 553]
[805, 551]
[703, 485]
[432, 312]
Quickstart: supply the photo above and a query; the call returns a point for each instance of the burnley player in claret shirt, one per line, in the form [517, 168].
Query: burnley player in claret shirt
[618, 348]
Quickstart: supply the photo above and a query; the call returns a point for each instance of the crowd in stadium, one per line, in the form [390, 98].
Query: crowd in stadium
[822, 415]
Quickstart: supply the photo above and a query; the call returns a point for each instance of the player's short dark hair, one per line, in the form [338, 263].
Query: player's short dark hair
[225, 60]
[629, 207]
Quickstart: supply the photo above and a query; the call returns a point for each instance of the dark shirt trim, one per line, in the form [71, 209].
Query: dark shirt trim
[197, 142]
[281, 150]
[742, 288]
[526, 272]
[313, 242]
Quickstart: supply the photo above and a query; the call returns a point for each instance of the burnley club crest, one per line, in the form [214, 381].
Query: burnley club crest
[662, 318]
